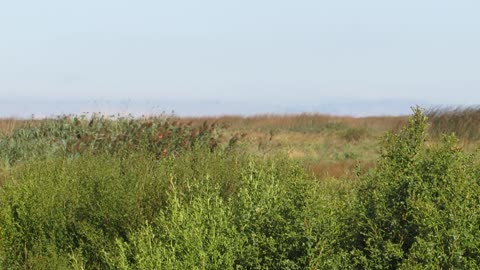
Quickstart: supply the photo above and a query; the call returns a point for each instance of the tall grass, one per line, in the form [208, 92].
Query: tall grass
[71, 136]
[8, 125]
[464, 122]
[307, 122]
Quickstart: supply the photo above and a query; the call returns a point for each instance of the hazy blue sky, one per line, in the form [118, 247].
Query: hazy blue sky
[265, 50]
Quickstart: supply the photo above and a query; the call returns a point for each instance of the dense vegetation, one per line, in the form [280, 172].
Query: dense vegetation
[100, 193]
[71, 136]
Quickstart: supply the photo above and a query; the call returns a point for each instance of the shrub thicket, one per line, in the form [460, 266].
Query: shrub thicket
[417, 209]
[203, 209]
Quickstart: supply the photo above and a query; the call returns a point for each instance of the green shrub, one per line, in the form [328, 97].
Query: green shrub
[262, 226]
[270, 214]
[418, 209]
[200, 209]
[188, 235]
[69, 205]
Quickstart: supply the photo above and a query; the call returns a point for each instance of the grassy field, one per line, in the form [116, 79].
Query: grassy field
[265, 192]
[328, 146]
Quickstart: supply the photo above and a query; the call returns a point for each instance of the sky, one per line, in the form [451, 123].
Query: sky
[271, 53]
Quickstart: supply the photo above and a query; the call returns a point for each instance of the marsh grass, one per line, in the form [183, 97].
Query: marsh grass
[464, 122]
[72, 135]
[307, 122]
[7, 125]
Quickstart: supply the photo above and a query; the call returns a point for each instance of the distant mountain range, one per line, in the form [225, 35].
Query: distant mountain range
[48, 108]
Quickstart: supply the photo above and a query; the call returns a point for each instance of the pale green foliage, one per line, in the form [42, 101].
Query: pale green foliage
[193, 235]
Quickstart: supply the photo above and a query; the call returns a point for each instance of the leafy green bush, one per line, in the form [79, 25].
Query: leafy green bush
[188, 235]
[270, 213]
[418, 209]
[201, 209]
[262, 226]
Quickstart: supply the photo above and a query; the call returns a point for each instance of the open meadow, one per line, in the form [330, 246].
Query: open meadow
[302, 191]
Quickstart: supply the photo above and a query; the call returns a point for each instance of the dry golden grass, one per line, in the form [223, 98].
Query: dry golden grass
[9, 124]
[464, 122]
[328, 146]
[272, 121]
[346, 168]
